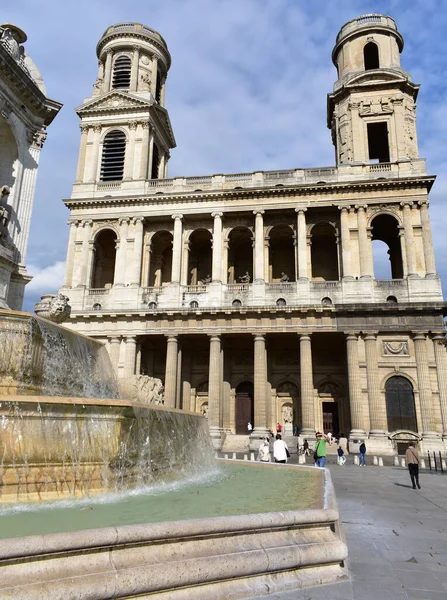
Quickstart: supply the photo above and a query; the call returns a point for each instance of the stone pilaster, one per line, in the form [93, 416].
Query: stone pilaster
[137, 251]
[154, 77]
[259, 246]
[365, 248]
[68, 279]
[95, 153]
[376, 400]
[108, 71]
[217, 248]
[429, 257]
[177, 249]
[302, 243]
[130, 356]
[355, 389]
[145, 143]
[424, 385]
[171, 371]
[147, 263]
[345, 242]
[214, 388]
[260, 386]
[129, 157]
[409, 238]
[114, 352]
[439, 342]
[134, 69]
[80, 173]
[87, 225]
[307, 387]
[120, 264]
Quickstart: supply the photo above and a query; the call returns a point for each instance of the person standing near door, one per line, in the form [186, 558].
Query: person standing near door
[412, 459]
[249, 428]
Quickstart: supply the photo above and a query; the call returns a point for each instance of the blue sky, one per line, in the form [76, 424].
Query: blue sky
[246, 91]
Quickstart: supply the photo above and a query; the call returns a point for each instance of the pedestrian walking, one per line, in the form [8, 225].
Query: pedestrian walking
[249, 428]
[341, 456]
[264, 451]
[329, 437]
[362, 456]
[413, 459]
[278, 428]
[280, 450]
[320, 450]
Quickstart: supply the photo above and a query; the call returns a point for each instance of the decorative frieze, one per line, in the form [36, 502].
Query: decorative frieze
[395, 348]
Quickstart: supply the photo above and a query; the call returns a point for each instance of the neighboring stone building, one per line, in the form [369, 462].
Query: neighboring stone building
[252, 296]
[25, 112]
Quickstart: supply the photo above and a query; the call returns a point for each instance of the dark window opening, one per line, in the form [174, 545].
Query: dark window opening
[155, 163]
[121, 73]
[387, 252]
[104, 261]
[114, 149]
[371, 56]
[324, 253]
[378, 146]
[158, 88]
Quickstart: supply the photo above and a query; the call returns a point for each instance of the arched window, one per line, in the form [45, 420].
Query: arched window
[281, 302]
[104, 261]
[155, 163]
[236, 303]
[400, 407]
[387, 253]
[193, 304]
[324, 253]
[121, 73]
[113, 153]
[371, 56]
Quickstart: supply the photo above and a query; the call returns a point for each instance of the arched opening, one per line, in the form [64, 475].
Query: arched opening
[289, 409]
[193, 304]
[155, 163]
[160, 267]
[244, 407]
[281, 302]
[121, 73]
[281, 254]
[113, 153]
[387, 253]
[371, 56]
[201, 401]
[400, 406]
[200, 257]
[104, 262]
[324, 253]
[240, 254]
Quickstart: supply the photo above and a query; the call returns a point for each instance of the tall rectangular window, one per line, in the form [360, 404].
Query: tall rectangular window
[378, 145]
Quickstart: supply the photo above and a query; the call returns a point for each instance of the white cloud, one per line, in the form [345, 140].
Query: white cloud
[47, 280]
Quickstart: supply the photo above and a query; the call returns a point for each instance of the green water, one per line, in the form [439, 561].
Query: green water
[229, 489]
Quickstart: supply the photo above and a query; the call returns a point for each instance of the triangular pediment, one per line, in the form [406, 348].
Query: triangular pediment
[112, 102]
[377, 77]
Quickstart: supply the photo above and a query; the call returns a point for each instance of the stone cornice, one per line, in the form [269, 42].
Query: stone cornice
[26, 89]
[309, 190]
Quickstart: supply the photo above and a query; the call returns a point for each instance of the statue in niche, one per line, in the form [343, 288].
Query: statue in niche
[145, 82]
[53, 307]
[4, 213]
[284, 277]
[206, 279]
[204, 410]
[287, 414]
[245, 278]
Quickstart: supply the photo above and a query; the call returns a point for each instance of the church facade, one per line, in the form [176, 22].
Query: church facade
[253, 296]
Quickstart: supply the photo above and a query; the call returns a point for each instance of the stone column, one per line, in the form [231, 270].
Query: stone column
[145, 143]
[430, 268]
[217, 248]
[376, 400]
[424, 384]
[154, 76]
[226, 245]
[114, 349]
[365, 249]
[177, 249]
[258, 274]
[186, 383]
[171, 371]
[147, 263]
[260, 386]
[345, 242]
[96, 151]
[129, 157]
[355, 389]
[151, 154]
[178, 391]
[138, 359]
[439, 342]
[214, 386]
[307, 387]
[137, 251]
[130, 356]
[163, 92]
[302, 245]
[134, 69]
[68, 279]
[87, 225]
[82, 151]
[409, 238]
[120, 263]
[108, 71]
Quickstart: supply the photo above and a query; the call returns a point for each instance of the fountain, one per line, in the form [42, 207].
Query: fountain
[156, 516]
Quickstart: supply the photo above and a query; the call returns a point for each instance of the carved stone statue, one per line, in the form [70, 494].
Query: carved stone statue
[287, 414]
[284, 277]
[206, 279]
[245, 278]
[145, 82]
[204, 410]
[53, 307]
[142, 389]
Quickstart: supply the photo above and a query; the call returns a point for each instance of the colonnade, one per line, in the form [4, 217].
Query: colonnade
[130, 231]
[367, 417]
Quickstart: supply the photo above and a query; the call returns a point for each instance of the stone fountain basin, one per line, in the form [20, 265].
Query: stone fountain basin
[235, 556]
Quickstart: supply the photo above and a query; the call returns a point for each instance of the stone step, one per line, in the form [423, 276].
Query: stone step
[236, 443]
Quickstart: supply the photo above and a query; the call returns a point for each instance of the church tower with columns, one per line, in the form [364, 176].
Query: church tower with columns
[257, 297]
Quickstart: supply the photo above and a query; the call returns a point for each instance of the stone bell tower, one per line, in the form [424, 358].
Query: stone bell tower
[126, 133]
[372, 110]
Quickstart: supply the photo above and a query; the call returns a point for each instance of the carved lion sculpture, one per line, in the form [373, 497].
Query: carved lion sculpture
[53, 307]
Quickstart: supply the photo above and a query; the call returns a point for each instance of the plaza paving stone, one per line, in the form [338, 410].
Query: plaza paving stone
[397, 536]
